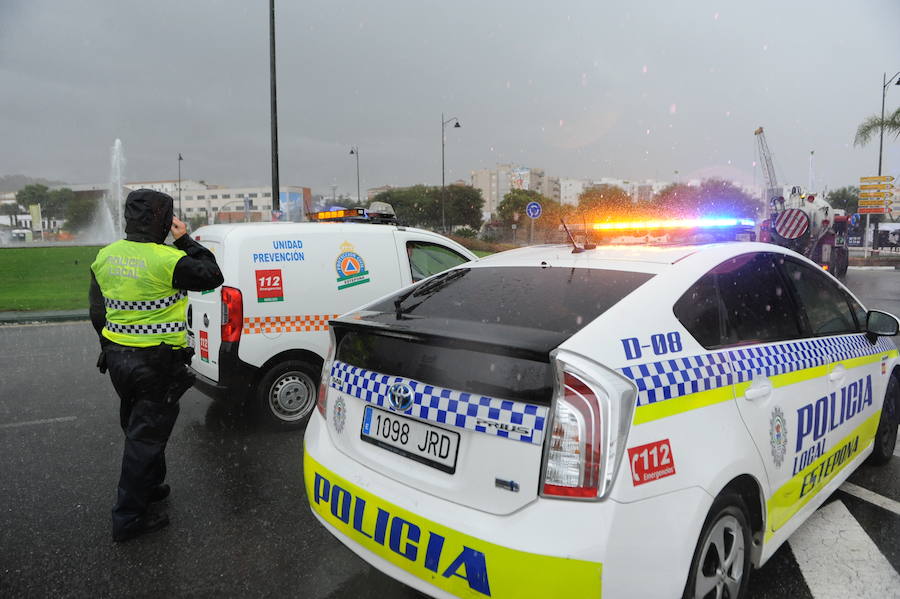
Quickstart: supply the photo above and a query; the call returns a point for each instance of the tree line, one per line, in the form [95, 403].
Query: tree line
[56, 204]
[430, 207]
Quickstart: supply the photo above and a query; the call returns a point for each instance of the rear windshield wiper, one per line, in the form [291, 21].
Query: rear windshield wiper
[426, 289]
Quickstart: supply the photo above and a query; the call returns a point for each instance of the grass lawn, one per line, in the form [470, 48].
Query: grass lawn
[45, 278]
[481, 253]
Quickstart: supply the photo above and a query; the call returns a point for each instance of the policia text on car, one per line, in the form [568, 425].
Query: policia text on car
[138, 304]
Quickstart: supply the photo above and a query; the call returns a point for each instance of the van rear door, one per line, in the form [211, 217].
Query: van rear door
[204, 320]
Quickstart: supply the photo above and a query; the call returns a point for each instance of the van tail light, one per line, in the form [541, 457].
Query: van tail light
[322, 399]
[232, 315]
[589, 425]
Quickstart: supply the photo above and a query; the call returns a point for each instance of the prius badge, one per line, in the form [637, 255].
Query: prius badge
[400, 397]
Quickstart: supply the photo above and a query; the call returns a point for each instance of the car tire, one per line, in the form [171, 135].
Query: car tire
[886, 435]
[721, 563]
[286, 394]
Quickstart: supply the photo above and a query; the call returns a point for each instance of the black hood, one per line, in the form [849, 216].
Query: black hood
[148, 216]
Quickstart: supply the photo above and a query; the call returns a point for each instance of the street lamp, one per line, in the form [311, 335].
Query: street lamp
[273, 110]
[354, 150]
[444, 124]
[885, 82]
[180, 213]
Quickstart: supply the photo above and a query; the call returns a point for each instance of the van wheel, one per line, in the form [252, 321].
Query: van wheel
[886, 435]
[286, 395]
[721, 565]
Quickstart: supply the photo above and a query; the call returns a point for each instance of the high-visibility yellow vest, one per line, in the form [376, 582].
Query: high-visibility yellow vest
[142, 307]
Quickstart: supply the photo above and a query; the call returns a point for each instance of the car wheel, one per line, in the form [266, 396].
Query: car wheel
[721, 564]
[886, 435]
[286, 394]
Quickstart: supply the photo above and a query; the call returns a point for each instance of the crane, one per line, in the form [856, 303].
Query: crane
[803, 222]
[772, 190]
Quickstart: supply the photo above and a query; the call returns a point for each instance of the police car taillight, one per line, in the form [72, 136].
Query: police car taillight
[322, 399]
[588, 429]
[232, 314]
[574, 452]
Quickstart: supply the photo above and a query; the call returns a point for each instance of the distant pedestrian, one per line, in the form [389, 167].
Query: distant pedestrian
[138, 305]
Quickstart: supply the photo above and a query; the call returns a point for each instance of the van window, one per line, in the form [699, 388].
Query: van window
[426, 259]
[825, 304]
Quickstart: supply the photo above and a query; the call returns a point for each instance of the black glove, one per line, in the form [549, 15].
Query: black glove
[185, 354]
[101, 362]
[182, 380]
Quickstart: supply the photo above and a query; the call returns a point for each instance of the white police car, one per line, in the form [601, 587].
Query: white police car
[637, 421]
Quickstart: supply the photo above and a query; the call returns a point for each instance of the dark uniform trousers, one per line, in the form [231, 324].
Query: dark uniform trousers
[149, 382]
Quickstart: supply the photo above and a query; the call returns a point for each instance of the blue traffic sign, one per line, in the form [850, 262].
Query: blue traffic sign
[533, 210]
[854, 220]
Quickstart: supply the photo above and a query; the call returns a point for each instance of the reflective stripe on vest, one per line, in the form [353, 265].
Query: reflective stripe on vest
[165, 302]
[146, 329]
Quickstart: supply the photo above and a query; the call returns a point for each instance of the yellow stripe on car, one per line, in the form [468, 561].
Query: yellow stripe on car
[460, 564]
[794, 494]
[686, 403]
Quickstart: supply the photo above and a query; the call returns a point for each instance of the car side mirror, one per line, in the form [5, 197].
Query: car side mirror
[881, 324]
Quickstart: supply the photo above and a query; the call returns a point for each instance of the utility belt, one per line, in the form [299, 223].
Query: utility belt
[181, 355]
[170, 360]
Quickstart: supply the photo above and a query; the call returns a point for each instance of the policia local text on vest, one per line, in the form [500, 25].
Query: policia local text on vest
[138, 302]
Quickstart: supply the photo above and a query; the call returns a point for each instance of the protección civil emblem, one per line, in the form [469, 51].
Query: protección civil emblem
[778, 436]
[339, 414]
[350, 267]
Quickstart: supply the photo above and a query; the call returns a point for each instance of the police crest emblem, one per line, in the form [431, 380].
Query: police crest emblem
[778, 436]
[339, 415]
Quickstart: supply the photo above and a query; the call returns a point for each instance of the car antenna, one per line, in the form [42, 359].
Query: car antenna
[587, 245]
[575, 248]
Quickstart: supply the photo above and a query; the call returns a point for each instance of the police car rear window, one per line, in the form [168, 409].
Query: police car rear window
[562, 300]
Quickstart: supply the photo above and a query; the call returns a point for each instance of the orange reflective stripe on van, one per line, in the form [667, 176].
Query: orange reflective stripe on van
[299, 323]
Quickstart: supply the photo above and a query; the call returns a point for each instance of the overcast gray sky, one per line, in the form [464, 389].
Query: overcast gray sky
[629, 89]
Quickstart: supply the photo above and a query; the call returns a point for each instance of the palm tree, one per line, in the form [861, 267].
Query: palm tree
[872, 126]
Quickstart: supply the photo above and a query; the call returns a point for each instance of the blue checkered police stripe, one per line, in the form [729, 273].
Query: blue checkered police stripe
[677, 377]
[146, 329]
[668, 379]
[165, 302]
[445, 406]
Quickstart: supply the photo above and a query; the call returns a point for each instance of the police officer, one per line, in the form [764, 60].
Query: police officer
[138, 304]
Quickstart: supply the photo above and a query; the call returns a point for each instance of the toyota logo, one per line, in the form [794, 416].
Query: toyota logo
[400, 397]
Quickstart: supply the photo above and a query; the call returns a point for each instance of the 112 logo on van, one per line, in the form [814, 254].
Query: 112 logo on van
[204, 346]
[269, 286]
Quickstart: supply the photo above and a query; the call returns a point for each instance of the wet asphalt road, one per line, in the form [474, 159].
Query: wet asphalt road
[240, 522]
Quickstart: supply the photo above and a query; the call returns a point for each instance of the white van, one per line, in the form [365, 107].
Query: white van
[262, 337]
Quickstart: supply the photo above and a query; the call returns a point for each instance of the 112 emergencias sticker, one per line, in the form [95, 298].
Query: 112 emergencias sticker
[269, 286]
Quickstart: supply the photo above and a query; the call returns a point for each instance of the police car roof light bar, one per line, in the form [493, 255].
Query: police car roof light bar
[685, 223]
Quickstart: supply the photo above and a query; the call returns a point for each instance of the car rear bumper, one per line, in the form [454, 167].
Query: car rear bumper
[236, 377]
[548, 548]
